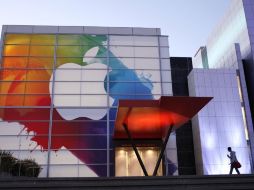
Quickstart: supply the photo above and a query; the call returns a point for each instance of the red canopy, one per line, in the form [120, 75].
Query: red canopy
[149, 119]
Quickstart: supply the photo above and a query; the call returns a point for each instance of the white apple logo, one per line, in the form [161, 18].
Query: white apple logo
[80, 90]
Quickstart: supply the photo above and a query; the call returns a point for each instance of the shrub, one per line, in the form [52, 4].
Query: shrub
[27, 167]
[7, 161]
[16, 167]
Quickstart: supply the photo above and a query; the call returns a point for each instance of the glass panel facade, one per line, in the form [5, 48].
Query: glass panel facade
[127, 163]
[59, 95]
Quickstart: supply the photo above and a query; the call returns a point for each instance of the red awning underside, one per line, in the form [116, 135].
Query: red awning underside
[150, 119]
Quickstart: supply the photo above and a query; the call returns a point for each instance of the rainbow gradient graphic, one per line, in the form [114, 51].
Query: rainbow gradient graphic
[31, 95]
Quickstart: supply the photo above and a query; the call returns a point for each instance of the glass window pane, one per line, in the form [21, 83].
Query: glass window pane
[17, 38]
[111, 128]
[37, 100]
[146, 52]
[122, 87]
[68, 74]
[156, 89]
[164, 41]
[24, 100]
[101, 155]
[25, 114]
[67, 100]
[94, 52]
[41, 157]
[17, 142]
[166, 76]
[12, 87]
[39, 62]
[45, 51]
[69, 39]
[145, 41]
[93, 88]
[79, 126]
[94, 100]
[93, 75]
[13, 74]
[141, 63]
[120, 51]
[149, 75]
[39, 74]
[37, 87]
[112, 115]
[79, 51]
[77, 170]
[121, 40]
[15, 62]
[70, 51]
[67, 88]
[18, 128]
[29, 87]
[61, 61]
[164, 52]
[90, 40]
[121, 63]
[131, 97]
[167, 89]
[131, 87]
[80, 114]
[134, 75]
[122, 75]
[42, 39]
[65, 155]
[16, 50]
[165, 64]
[60, 170]
[79, 142]
[100, 170]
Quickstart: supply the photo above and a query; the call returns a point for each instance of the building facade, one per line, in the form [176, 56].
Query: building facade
[60, 87]
[180, 69]
[230, 46]
[59, 92]
[220, 124]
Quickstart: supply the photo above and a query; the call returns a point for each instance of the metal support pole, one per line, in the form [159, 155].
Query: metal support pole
[162, 151]
[135, 149]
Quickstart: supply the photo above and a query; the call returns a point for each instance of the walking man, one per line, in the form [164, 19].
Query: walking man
[234, 164]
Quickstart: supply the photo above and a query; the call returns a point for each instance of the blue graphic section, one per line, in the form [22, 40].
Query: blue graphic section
[124, 83]
[128, 85]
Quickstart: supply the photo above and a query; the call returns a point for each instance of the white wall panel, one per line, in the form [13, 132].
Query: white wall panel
[219, 124]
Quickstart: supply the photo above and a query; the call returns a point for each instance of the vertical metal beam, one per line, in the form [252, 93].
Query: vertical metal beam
[162, 151]
[52, 105]
[135, 149]
[2, 44]
[108, 108]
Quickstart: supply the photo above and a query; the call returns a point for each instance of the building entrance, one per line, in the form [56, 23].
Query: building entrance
[127, 164]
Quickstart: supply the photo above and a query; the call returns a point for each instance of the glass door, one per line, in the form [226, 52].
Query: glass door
[126, 162]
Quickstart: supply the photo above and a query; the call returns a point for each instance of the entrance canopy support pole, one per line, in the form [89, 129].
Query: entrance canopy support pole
[162, 151]
[135, 149]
